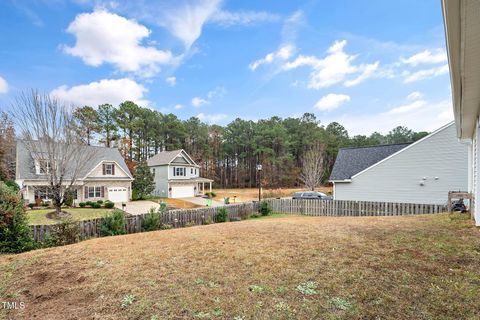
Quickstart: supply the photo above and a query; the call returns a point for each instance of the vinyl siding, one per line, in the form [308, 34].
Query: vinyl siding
[397, 179]
[161, 181]
[475, 174]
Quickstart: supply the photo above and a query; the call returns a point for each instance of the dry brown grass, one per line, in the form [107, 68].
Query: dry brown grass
[415, 267]
[249, 194]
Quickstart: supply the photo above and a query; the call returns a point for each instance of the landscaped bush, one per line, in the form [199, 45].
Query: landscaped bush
[63, 233]
[15, 233]
[31, 205]
[89, 203]
[222, 215]
[82, 204]
[151, 221]
[109, 204]
[69, 197]
[45, 204]
[264, 208]
[211, 194]
[12, 185]
[100, 201]
[96, 205]
[113, 224]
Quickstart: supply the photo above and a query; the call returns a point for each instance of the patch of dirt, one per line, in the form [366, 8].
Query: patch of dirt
[54, 216]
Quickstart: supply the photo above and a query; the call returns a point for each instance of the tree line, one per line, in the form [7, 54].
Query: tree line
[227, 154]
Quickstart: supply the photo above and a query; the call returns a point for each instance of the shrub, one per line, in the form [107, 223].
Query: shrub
[96, 205]
[211, 194]
[100, 201]
[135, 195]
[68, 198]
[264, 208]
[15, 233]
[113, 224]
[31, 205]
[65, 232]
[222, 215]
[89, 203]
[151, 221]
[165, 226]
[109, 204]
[44, 204]
[12, 185]
[82, 204]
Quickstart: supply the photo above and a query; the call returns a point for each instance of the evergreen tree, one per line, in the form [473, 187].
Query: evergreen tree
[144, 183]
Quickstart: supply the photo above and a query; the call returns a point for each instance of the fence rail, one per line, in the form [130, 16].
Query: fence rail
[345, 208]
[176, 218]
[182, 217]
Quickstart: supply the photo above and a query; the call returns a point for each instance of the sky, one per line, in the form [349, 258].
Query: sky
[369, 65]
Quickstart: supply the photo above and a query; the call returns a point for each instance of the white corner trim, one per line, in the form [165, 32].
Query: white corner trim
[95, 167]
[406, 148]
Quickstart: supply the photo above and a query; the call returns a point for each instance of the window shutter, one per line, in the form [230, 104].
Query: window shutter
[113, 168]
[102, 192]
[103, 167]
[86, 192]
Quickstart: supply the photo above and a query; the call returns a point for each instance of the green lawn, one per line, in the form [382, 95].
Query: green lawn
[40, 216]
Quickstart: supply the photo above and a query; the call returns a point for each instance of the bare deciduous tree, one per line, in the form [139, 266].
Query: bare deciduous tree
[312, 166]
[48, 131]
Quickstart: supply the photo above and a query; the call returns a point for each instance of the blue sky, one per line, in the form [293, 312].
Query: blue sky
[370, 65]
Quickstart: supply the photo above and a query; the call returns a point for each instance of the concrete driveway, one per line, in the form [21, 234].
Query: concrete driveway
[138, 207]
[202, 201]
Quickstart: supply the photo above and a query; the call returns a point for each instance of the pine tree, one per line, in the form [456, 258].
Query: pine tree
[144, 184]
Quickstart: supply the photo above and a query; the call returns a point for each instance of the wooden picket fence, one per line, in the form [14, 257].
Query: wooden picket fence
[182, 217]
[175, 218]
[344, 208]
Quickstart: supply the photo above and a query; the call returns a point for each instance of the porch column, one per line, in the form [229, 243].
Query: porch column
[210, 186]
[203, 187]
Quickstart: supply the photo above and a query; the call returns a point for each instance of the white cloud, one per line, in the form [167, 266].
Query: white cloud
[408, 107]
[228, 18]
[3, 86]
[368, 71]
[172, 81]
[185, 21]
[216, 93]
[424, 116]
[198, 102]
[425, 74]
[282, 54]
[104, 37]
[333, 68]
[426, 56]
[113, 91]
[415, 95]
[331, 101]
[178, 107]
[211, 118]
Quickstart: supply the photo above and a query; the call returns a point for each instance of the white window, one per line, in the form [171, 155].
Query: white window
[191, 171]
[153, 171]
[179, 171]
[44, 166]
[94, 192]
[109, 168]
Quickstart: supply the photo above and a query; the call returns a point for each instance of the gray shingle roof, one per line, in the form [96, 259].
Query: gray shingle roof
[26, 164]
[162, 158]
[166, 157]
[351, 161]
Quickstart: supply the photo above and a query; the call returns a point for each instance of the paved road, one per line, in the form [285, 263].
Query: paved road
[138, 207]
[202, 201]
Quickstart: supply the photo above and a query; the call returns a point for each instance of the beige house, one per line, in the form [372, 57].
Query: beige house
[104, 177]
[462, 32]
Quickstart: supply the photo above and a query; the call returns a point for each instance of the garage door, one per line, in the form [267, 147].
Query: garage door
[182, 191]
[117, 194]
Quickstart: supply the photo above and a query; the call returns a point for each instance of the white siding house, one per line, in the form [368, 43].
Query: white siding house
[176, 175]
[421, 172]
[462, 32]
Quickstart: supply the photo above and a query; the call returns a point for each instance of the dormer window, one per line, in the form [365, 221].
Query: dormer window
[108, 169]
[43, 167]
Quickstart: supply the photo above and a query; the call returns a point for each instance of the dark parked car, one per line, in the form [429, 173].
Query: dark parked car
[311, 195]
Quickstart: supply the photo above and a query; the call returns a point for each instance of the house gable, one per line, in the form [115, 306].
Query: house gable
[107, 169]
